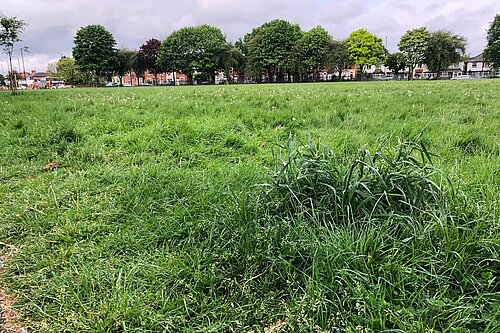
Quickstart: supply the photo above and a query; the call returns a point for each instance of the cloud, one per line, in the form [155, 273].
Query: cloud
[53, 23]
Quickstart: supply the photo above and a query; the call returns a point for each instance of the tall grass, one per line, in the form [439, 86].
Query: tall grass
[385, 234]
[311, 180]
[152, 221]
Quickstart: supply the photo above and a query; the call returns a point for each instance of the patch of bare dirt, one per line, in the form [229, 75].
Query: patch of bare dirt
[51, 166]
[275, 328]
[8, 318]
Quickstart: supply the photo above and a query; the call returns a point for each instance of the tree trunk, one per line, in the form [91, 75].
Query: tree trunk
[360, 74]
[12, 76]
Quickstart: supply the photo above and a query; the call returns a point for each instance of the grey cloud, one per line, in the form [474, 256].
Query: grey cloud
[342, 11]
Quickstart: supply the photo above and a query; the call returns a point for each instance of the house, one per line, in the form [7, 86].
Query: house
[477, 68]
[131, 79]
[39, 80]
[454, 71]
[347, 74]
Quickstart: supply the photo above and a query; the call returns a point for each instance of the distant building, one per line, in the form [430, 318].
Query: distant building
[477, 68]
[147, 78]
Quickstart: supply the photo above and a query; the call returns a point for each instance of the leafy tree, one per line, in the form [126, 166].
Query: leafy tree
[69, 72]
[138, 69]
[241, 65]
[337, 58]
[52, 69]
[413, 44]
[492, 50]
[125, 60]
[2, 80]
[314, 45]
[210, 45]
[94, 50]
[148, 55]
[231, 59]
[297, 68]
[396, 62]
[365, 49]
[444, 49]
[193, 49]
[176, 53]
[10, 29]
[270, 48]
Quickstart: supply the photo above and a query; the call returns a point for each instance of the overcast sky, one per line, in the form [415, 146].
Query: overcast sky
[52, 24]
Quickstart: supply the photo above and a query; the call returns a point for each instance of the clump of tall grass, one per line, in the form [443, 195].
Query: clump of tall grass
[310, 180]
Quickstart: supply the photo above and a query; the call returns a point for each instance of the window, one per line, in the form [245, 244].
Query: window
[474, 64]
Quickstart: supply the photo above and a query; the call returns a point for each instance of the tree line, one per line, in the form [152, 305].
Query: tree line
[278, 50]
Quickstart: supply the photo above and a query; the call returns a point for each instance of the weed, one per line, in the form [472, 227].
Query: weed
[310, 180]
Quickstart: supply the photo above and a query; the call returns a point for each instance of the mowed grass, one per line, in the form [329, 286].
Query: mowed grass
[162, 215]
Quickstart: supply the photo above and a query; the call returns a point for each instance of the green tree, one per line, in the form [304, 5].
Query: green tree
[94, 50]
[396, 62]
[270, 48]
[231, 59]
[210, 45]
[314, 46]
[52, 69]
[444, 49]
[413, 44]
[69, 72]
[241, 65]
[176, 53]
[338, 59]
[125, 60]
[365, 49]
[138, 69]
[147, 57]
[10, 29]
[2, 80]
[492, 50]
[193, 49]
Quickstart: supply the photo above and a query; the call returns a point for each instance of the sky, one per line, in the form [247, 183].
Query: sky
[52, 24]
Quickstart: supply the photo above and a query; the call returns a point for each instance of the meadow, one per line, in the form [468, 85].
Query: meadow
[332, 207]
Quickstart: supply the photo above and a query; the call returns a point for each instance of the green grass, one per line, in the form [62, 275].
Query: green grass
[167, 211]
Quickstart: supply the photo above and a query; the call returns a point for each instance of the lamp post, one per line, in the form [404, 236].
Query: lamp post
[25, 49]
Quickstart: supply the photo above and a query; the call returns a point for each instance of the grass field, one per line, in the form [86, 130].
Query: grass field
[218, 208]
